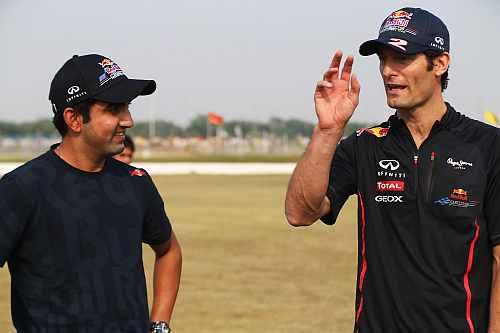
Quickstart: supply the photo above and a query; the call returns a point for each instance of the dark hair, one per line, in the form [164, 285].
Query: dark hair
[129, 143]
[430, 55]
[82, 108]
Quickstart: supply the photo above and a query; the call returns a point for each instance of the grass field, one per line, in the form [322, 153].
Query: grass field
[245, 269]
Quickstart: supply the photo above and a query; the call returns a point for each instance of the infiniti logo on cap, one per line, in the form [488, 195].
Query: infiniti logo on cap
[73, 90]
[389, 164]
[439, 40]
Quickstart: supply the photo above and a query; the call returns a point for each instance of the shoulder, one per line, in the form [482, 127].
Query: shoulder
[128, 173]
[31, 171]
[474, 131]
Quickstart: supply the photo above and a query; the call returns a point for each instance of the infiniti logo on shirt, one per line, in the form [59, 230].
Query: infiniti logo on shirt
[389, 164]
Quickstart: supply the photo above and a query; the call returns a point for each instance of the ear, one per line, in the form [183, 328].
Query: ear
[441, 63]
[73, 120]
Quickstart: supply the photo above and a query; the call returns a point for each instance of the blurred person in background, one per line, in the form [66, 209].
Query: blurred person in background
[127, 155]
[74, 218]
[427, 182]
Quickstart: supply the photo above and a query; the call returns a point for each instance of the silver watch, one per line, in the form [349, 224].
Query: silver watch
[159, 327]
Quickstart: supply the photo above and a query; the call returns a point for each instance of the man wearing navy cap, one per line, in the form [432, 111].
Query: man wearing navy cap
[427, 182]
[73, 219]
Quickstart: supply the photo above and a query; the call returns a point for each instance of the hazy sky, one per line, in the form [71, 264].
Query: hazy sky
[243, 59]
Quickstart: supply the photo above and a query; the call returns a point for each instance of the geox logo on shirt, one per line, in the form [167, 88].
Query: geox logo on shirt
[389, 198]
[458, 165]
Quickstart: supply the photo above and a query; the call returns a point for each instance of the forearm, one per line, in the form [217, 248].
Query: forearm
[305, 198]
[166, 279]
[494, 325]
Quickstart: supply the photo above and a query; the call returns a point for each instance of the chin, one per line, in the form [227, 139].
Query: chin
[397, 104]
[115, 149]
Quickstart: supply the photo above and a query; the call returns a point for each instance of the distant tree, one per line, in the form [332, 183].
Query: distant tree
[162, 129]
[197, 126]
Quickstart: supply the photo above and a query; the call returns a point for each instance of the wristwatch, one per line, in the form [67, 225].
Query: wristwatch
[159, 327]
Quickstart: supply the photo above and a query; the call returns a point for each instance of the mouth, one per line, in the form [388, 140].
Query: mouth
[120, 135]
[394, 88]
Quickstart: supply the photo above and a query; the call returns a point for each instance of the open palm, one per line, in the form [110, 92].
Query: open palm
[337, 95]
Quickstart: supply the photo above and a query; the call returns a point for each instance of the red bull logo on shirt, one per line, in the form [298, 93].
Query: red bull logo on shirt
[459, 194]
[137, 172]
[379, 132]
[458, 198]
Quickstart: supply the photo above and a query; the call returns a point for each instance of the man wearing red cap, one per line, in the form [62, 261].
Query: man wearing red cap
[74, 218]
[427, 182]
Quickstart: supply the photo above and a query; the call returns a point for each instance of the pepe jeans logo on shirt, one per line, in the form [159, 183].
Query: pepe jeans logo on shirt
[458, 165]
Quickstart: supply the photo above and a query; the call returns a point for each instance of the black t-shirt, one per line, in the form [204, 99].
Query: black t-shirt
[427, 221]
[73, 244]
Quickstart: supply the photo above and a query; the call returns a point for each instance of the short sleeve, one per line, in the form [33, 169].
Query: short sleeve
[15, 211]
[492, 197]
[343, 178]
[156, 227]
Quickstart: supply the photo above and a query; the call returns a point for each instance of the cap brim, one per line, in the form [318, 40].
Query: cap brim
[126, 90]
[372, 46]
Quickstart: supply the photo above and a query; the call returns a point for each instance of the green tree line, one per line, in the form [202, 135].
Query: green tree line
[196, 127]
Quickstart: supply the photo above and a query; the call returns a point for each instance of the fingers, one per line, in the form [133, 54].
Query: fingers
[347, 69]
[337, 57]
[333, 71]
[331, 74]
[355, 88]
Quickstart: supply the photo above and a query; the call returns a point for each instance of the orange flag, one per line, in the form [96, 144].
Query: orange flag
[215, 119]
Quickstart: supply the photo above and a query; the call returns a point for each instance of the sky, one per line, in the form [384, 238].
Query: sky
[246, 60]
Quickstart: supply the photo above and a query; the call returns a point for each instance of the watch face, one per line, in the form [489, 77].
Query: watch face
[160, 327]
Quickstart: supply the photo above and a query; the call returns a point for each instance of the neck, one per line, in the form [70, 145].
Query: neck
[420, 119]
[79, 155]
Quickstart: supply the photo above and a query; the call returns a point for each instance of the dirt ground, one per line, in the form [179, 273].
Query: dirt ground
[244, 268]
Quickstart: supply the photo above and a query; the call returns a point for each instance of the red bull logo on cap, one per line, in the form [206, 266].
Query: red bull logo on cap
[397, 21]
[401, 14]
[111, 71]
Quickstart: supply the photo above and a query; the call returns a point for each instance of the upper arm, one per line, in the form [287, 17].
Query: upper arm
[170, 244]
[15, 209]
[156, 225]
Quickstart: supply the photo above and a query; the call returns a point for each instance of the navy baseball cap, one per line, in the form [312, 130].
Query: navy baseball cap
[96, 77]
[410, 31]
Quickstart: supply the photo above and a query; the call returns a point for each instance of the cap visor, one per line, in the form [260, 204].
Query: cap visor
[126, 91]
[372, 46]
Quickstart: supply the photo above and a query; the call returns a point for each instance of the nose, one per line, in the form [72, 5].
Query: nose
[126, 120]
[386, 69]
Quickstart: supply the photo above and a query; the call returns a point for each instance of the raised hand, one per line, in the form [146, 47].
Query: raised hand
[337, 95]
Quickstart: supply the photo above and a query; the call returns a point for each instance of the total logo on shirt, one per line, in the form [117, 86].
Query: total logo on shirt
[390, 186]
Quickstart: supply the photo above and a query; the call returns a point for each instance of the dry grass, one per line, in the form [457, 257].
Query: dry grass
[245, 269]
